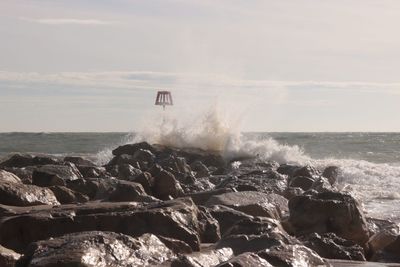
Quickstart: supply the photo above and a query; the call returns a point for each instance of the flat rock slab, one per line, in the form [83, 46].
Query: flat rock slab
[97, 249]
[175, 219]
[252, 203]
[18, 194]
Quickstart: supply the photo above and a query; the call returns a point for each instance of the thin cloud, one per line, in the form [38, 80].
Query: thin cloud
[147, 79]
[66, 21]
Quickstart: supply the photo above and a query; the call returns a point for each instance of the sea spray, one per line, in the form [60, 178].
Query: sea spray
[376, 185]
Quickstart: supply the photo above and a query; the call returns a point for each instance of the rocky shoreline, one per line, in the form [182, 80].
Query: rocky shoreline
[153, 205]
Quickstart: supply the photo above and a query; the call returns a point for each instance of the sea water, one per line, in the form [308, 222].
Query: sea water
[369, 162]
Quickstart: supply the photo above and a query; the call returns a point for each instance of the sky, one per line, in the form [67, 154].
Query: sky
[267, 65]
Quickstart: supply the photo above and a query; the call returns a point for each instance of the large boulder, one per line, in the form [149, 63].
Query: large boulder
[131, 149]
[125, 171]
[328, 212]
[79, 161]
[255, 226]
[91, 249]
[246, 260]
[9, 177]
[253, 243]
[385, 244]
[24, 160]
[129, 191]
[205, 258]
[227, 217]
[175, 219]
[266, 181]
[254, 234]
[330, 246]
[48, 175]
[109, 189]
[18, 194]
[165, 185]
[208, 226]
[252, 203]
[8, 258]
[292, 256]
[65, 195]
[331, 173]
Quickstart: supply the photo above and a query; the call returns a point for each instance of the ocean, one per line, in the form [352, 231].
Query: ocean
[370, 162]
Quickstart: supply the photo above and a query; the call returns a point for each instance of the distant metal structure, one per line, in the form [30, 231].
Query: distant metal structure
[164, 98]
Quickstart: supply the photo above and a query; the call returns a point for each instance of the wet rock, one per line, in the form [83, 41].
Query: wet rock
[200, 169]
[305, 183]
[292, 192]
[65, 195]
[122, 159]
[246, 260]
[98, 249]
[208, 226]
[25, 174]
[253, 243]
[18, 194]
[146, 180]
[125, 171]
[206, 258]
[177, 246]
[130, 149]
[331, 246]
[306, 171]
[8, 258]
[328, 212]
[390, 253]
[200, 198]
[80, 161]
[268, 181]
[331, 173]
[174, 219]
[129, 191]
[165, 184]
[92, 171]
[144, 155]
[227, 217]
[9, 177]
[288, 169]
[254, 226]
[292, 256]
[24, 160]
[48, 175]
[109, 189]
[385, 244]
[193, 185]
[252, 203]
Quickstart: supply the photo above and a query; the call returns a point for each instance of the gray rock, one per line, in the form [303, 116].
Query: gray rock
[9, 177]
[98, 249]
[48, 175]
[252, 203]
[292, 256]
[206, 258]
[18, 194]
[245, 260]
[8, 258]
[174, 219]
[328, 212]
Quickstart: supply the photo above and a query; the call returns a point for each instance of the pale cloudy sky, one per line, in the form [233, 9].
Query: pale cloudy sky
[298, 65]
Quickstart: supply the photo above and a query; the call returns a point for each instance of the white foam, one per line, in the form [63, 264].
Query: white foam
[368, 182]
